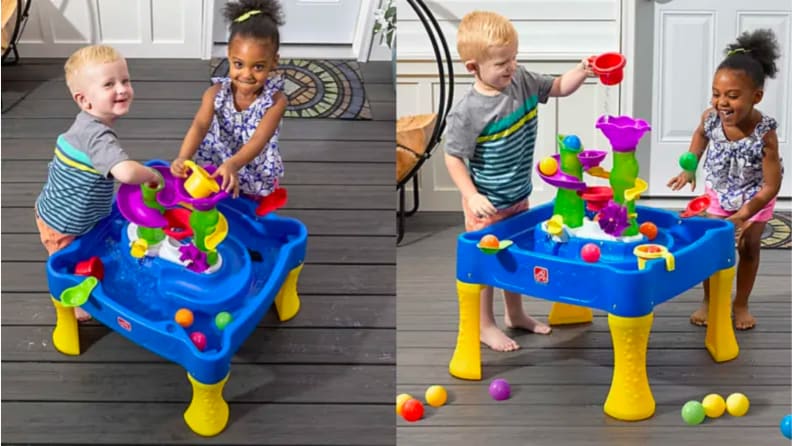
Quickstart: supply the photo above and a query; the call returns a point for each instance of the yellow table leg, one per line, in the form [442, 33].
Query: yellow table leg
[287, 302]
[207, 414]
[630, 397]
[720, 339]
[466, 362]
[66, 336]
[562, 314]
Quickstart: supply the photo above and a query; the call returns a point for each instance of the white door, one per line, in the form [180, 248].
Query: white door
[689, 38]
[137, 28]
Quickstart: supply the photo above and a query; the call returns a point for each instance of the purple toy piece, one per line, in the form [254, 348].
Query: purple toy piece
[130, 199]
[499, 389]
[196, 257]
[561, 179]
[613, 218]
[623, 132]
[591, 158]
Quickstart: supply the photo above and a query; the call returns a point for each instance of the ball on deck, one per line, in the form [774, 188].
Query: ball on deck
[199, 339]
[714, 405]
[786, 426]
[688, 162]
[412, 410]
[400, 400]
[489, 241]
[693, 413]
[548, 166]
[737, 404]
[222, 319]
[184, 317]
[590, 252]
[436, 396]
[648, 229]
[499, 389]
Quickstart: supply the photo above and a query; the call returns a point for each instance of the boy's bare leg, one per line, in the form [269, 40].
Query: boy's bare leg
[81, 315]
[749, 248]
[516, 317]
[491, 335]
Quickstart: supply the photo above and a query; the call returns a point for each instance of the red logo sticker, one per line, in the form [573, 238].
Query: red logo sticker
[541, 275]
[123, 323]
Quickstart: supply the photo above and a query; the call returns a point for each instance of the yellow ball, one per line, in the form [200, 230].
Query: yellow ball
[400, 400]
[436, 396]
[737, 404]
[548, 166]
[714, 405]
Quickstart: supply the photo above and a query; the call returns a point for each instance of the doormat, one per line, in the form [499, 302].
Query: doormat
[318, 88]
[777, 233]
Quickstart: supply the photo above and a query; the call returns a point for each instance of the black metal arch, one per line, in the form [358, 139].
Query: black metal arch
[445, 69]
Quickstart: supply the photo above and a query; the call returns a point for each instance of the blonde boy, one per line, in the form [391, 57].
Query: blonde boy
[490, 138]
[78, 191]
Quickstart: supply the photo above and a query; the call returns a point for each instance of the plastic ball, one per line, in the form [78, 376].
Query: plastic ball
[572, 142]
[714, 405]
[786, 426]
[737, 404]
[688, 162]
[499, 389]
[400, 400]
[412, 410]
[184, 317]
[648, 229]
[489, 241]
[590, 252]
[548, 166]
[436, 396]
[222, 319]
[199, 339]
[693, 413]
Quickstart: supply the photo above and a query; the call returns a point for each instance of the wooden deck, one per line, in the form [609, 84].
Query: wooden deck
[559, 382]
[324, 378]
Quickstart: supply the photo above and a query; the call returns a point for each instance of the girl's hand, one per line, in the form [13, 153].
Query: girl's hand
[230, 178]
[481, 206]
[740, 226]
[177, 168]
[679, 181]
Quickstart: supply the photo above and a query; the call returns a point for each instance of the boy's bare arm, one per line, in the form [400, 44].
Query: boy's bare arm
[477, 203]
[569, 82]
[132, 172]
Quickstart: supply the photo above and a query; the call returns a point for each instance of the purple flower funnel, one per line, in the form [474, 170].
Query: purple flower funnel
[623, 132]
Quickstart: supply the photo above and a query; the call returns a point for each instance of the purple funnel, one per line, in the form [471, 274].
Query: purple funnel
[623, 132]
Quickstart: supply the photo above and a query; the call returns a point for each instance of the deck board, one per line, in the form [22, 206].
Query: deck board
[326, 377]
[560, 382]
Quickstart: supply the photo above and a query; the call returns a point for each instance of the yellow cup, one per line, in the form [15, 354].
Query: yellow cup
[199, 184]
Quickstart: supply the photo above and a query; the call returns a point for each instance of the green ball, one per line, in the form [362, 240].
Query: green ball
[693, 413]
[688, 162]
[222, 319]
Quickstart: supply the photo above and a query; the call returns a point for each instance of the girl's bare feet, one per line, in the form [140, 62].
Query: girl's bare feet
[525, 322]
[743, 320]
[497, 340]
[699, 317]
[81, 315]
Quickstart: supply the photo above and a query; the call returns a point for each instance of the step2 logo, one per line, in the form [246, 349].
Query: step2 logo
[541, 275]
[123, 323]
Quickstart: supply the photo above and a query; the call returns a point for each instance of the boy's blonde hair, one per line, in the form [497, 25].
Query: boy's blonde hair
[480, 30]
[89, 55]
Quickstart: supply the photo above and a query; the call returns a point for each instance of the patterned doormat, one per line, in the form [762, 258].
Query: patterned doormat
[320, 88]
[778, 232]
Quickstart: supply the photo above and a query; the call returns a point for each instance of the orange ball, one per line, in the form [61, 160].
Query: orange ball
[648, 229]
[489, 241]
[184, 317]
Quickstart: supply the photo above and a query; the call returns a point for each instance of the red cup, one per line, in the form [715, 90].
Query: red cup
[90, 267]
[609, 67]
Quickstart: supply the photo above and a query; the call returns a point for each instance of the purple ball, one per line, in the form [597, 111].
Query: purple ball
[499, 389]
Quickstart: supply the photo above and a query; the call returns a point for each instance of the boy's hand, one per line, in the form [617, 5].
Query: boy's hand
[230, 178]
[156, 179]
[481, 206]
[587, 66]
[177, 168]
[679, 181]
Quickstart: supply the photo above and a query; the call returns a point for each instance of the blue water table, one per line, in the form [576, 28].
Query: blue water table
[594, 248]
[185, 272]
